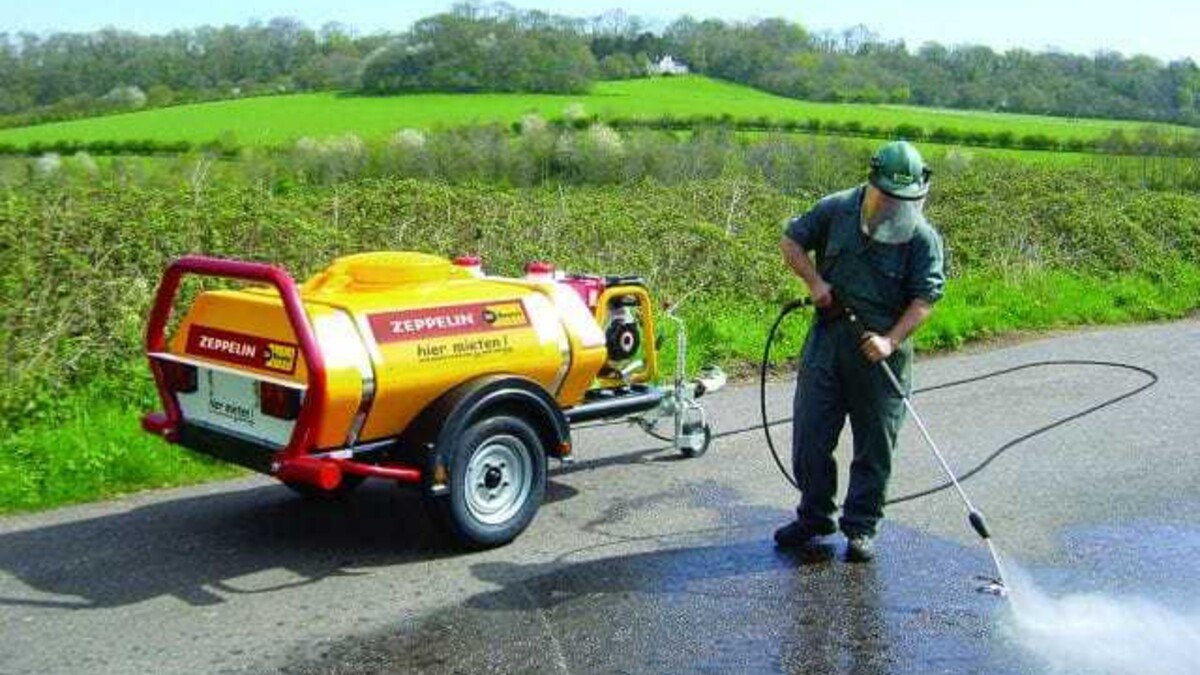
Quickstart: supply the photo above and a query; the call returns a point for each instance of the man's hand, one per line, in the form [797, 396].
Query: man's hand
[797, 259]
[821, 293]
[877, 347]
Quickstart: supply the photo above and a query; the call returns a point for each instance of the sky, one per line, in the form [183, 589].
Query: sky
[1166, 29]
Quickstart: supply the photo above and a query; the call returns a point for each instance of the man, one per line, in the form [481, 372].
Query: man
[875, 253]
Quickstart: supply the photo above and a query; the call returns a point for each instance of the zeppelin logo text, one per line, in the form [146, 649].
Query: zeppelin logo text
[241, 349]
[417, 324]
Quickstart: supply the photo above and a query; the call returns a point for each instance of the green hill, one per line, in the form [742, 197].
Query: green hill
[280, 119]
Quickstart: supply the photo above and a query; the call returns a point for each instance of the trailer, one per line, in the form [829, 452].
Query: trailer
[415, 369]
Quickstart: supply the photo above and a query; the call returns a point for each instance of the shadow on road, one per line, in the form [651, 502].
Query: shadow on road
[191, 548]
[659, 454]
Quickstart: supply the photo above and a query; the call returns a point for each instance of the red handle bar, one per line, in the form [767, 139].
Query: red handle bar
[304, 434]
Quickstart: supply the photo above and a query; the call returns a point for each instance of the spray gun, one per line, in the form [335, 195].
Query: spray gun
[991, 585]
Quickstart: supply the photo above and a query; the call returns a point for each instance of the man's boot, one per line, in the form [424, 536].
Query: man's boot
[859, 548]
[797, 534]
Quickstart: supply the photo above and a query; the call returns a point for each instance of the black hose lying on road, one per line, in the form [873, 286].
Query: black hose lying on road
[1152, 379]
[766, 424]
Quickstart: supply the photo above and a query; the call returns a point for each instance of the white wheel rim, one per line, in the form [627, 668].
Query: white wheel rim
[499, 479]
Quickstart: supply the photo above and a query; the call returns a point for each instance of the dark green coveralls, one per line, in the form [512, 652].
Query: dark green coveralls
[836, 380]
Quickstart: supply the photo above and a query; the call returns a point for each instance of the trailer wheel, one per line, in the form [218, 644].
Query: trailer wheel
[692, 453]
[349, 484]
[497, 482]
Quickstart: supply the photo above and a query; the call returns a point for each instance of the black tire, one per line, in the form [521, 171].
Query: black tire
[497, 483]
[692, 453]
[312, 492]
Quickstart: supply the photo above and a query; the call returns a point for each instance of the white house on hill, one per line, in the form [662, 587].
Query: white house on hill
[667, 65]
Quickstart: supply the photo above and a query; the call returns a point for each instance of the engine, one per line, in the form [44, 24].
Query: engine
[622, 332]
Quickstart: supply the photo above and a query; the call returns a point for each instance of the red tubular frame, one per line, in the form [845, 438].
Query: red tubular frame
[304, 435]
[397, 472]
[292, 461]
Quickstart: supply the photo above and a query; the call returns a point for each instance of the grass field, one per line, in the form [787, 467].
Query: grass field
[280, 119]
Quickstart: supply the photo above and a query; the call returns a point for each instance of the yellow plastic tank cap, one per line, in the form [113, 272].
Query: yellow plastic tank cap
[394, 267]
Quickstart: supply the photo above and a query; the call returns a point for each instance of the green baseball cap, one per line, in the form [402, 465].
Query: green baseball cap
[898, 170]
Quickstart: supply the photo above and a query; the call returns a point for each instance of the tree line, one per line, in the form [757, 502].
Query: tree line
[1146, 142]
[62, 75]
[497, 48]
[856, 65]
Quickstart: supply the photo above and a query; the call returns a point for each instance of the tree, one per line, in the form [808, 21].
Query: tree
[620, 66]
[128, 97]
[467, 51]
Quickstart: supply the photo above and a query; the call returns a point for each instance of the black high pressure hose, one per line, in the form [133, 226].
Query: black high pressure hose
[1152, 379]
[762, 385]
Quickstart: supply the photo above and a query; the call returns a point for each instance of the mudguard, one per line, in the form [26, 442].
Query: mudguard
[444, 420]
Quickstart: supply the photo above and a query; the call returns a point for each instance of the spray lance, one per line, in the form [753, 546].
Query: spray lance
[991, 585]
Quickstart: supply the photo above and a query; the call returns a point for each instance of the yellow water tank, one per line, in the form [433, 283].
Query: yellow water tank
[397, 330]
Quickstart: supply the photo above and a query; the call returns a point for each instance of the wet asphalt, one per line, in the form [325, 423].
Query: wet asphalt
[640, 561]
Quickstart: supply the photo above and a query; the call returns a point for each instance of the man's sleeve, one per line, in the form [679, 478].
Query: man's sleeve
[812, 228]
[926, 274]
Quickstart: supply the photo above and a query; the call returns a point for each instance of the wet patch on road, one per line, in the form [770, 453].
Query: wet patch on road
[706, 603]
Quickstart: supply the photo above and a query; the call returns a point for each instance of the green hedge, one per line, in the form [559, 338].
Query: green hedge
[79, 259]
[1148, 142]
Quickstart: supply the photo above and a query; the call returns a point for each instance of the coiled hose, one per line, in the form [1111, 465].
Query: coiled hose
[766, 424]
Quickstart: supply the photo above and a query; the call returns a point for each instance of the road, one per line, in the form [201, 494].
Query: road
[642, 562]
